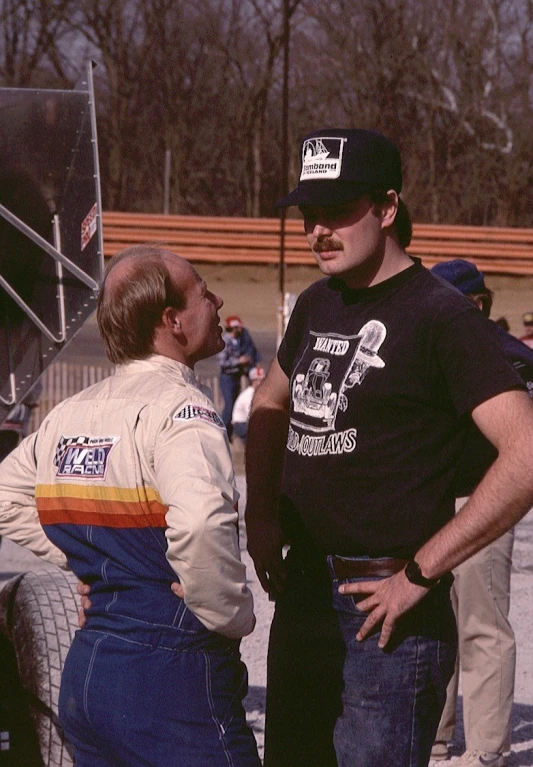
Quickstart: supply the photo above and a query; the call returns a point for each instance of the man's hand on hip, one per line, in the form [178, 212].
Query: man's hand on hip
[177, 589]
[386, 600]
[265, 546]
[83, 590]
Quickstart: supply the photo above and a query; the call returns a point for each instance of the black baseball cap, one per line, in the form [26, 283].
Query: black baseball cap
[338, 165]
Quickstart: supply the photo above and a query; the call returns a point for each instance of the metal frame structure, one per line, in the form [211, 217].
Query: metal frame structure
[51, 242]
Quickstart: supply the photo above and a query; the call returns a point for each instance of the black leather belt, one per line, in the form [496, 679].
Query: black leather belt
[367, 568]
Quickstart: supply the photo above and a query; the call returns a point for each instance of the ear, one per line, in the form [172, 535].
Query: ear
[171, 320]
[388, 209]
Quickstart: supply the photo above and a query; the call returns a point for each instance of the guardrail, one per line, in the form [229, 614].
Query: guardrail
[256, 241]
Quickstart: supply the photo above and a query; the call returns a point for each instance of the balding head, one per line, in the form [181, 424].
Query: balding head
[138, 285]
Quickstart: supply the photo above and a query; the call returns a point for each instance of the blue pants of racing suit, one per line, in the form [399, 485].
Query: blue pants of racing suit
[156, 696]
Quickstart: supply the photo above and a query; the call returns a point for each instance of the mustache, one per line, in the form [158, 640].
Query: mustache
[323, 246]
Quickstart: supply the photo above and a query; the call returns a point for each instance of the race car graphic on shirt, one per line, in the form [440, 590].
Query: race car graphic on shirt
[333, 363]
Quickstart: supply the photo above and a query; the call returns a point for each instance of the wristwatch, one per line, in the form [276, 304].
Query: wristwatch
[413, 573]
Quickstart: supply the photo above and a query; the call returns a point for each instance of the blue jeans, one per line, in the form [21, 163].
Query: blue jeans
[127, 703]
[336, 702]
[241, 430]
[230, 386]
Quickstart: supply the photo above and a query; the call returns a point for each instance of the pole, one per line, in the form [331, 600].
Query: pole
[166, 192]
[284, 167]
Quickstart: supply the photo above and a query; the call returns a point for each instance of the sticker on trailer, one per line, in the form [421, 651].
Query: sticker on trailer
[88, 227]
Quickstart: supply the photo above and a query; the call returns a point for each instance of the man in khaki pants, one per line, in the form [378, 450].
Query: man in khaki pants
[481, 590]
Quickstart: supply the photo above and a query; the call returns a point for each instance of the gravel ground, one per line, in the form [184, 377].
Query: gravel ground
[13, 560]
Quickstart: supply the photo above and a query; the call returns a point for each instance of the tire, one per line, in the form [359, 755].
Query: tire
[38, 618]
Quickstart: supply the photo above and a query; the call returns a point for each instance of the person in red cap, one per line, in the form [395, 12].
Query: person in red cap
[237, 358]
[353, 445]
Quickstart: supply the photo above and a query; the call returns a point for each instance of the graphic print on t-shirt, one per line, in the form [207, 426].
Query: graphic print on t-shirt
[332, 364]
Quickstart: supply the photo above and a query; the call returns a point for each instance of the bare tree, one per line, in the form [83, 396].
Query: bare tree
[451, 83]
[438, 79]
[33, 39]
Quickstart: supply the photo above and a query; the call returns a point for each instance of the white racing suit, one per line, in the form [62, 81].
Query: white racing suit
[132, 479]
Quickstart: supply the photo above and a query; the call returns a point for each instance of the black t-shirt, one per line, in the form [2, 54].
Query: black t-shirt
[382, 382]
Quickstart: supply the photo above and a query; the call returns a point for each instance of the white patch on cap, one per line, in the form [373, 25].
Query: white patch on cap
[322, 158]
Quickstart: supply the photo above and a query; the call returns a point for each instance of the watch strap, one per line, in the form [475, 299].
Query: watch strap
[413, 573]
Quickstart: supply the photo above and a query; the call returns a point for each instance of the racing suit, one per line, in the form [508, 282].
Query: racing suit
[132, 479]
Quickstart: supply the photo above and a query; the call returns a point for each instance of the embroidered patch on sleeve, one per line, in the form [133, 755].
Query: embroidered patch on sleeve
[200, 413]
[83, 456]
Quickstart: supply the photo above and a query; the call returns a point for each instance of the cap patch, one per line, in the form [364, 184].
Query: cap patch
[200, 413]
[322, 158]
[83, 456]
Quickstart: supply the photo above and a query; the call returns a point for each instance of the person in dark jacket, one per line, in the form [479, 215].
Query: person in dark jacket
[237, 358]
[481, 589]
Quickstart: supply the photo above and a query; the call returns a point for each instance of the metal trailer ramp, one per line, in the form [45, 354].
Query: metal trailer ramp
[51, 264]
[51, 244]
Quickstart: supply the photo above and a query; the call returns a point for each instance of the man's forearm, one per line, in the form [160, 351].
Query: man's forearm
[264, 460]
[501, 499]
[265, 449]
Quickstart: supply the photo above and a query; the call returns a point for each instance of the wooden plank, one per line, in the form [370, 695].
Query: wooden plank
[271, 225]
[256, 240]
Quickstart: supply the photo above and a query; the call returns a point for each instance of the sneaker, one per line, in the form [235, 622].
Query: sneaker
[439, 752]
[474, 758]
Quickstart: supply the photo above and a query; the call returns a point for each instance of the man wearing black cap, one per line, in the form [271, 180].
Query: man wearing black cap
[353, 444]
[481, 588]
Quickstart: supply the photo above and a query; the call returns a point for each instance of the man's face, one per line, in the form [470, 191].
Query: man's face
[199, 319]
[344, 238]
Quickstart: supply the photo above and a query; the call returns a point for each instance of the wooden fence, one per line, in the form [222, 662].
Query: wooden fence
[256, 241]
[63, 379]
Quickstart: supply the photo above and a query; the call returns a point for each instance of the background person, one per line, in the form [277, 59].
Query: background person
[235, 360]
[482, 585]
[527, 338]
[243, 403]
[132, 479]
[353, 443]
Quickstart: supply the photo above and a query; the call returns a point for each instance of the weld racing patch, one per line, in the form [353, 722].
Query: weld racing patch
[200, 413]
[83, 456]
